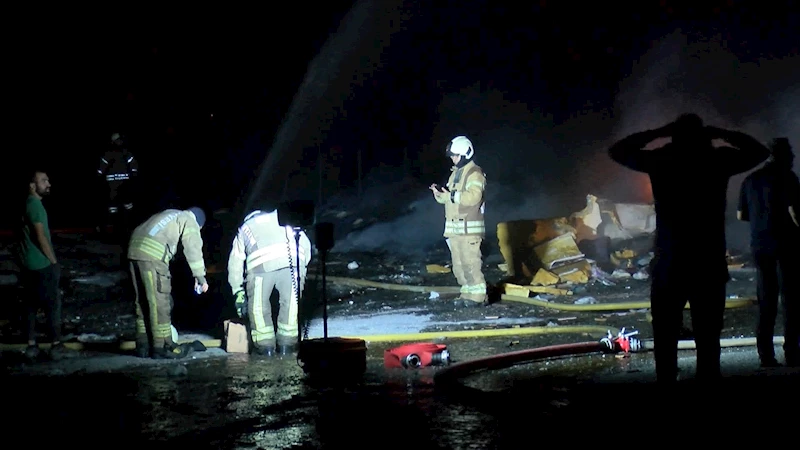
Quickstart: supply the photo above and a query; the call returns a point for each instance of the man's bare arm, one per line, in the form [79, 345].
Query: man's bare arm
[629, 151]
[794, 216]
[44, 244]
[748, 152]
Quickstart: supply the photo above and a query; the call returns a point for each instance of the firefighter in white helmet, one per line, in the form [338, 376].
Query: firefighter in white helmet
[264, 256]
[464, 229]
[118, 169]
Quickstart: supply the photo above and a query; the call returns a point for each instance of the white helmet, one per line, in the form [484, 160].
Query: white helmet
[460, 146]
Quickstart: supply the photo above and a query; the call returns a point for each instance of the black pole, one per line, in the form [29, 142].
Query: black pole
[324, 299]
[297, 284]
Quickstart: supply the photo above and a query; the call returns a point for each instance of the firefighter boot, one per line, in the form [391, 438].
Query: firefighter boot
[264, 349]
[59, 351]
[171, 350]
[287, 348]
[142, 348]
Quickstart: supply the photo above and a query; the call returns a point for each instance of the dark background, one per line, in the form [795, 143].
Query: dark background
[542, 88]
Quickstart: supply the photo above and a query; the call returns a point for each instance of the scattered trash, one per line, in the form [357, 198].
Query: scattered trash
[434, 295]
[641, 275]
[436, 268]
[620, 274]
[586, 301]
[106, 280]
[352, 265]
[645, 261]
[93, 338]
[601, 276]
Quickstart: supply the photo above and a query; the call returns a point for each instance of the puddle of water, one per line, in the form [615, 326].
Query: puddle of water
[407, 320]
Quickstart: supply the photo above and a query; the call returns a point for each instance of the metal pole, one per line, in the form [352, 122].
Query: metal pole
[319, 170]
[323, 257]
[297, 287]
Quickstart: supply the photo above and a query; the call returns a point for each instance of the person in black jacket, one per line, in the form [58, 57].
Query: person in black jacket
[689, 178]
[770, 200]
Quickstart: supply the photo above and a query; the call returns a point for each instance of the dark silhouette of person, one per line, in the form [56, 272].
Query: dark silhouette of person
[689, 179]
[770, 200]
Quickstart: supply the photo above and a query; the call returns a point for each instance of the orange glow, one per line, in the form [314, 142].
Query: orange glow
[644, 190]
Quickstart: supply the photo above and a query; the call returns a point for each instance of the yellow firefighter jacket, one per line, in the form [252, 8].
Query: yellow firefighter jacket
[464, 204]
[157, 240]
[263, 245]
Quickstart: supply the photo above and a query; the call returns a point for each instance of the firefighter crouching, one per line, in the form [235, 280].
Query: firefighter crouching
[464, 229]
[264, 257]
[152, 246]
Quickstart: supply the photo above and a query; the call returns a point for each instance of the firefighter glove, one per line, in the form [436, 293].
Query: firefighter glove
[241, 304]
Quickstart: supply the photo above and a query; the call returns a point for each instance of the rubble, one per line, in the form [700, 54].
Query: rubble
[603, 243]
[579, 249]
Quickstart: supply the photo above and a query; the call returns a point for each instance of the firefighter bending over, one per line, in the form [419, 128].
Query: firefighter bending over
[118, 168]
[464, 228]
[152, 246]
[264, 257]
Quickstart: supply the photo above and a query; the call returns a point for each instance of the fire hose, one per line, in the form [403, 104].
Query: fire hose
[616, 306]
[622, 342]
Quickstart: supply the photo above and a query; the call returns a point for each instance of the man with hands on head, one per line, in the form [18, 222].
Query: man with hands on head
[689, 178]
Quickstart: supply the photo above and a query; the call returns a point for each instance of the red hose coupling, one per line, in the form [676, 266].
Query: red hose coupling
[623, 342]
[413, 356]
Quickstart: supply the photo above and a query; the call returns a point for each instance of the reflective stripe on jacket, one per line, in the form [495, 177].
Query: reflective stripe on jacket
[158, 237]
[464, 205]
[263, 245]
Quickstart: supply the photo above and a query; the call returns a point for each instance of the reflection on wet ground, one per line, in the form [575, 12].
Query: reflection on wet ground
[235, 401]
[224, 400]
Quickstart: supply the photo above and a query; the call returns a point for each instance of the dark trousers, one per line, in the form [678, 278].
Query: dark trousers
[777, 273]
[41, 290]
[669, 294]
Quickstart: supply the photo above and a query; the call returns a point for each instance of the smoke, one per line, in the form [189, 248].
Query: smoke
[537, 169]
[528, 163]
[701, 75]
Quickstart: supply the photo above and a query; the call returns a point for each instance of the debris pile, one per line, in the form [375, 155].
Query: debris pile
[603, 242]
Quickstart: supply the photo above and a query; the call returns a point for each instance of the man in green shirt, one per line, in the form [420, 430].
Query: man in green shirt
[40, 268]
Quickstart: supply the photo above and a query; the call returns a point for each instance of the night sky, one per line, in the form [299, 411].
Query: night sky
[202, 93]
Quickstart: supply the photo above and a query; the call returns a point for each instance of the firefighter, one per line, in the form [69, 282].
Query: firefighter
[264, 256]
[464, 229]
[118, 168]
[152, 246]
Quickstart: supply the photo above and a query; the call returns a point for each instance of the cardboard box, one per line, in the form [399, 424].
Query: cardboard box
[236, 337]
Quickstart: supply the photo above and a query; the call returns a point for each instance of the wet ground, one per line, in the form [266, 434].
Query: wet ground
[220, 400]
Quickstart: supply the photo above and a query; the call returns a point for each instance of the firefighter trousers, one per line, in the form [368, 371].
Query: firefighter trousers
[152, 284]
[465, 252]
[259, 309]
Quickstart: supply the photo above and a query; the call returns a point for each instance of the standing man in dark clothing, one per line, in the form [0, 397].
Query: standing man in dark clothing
[40, 269]
[770, 200]
[689, 177]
